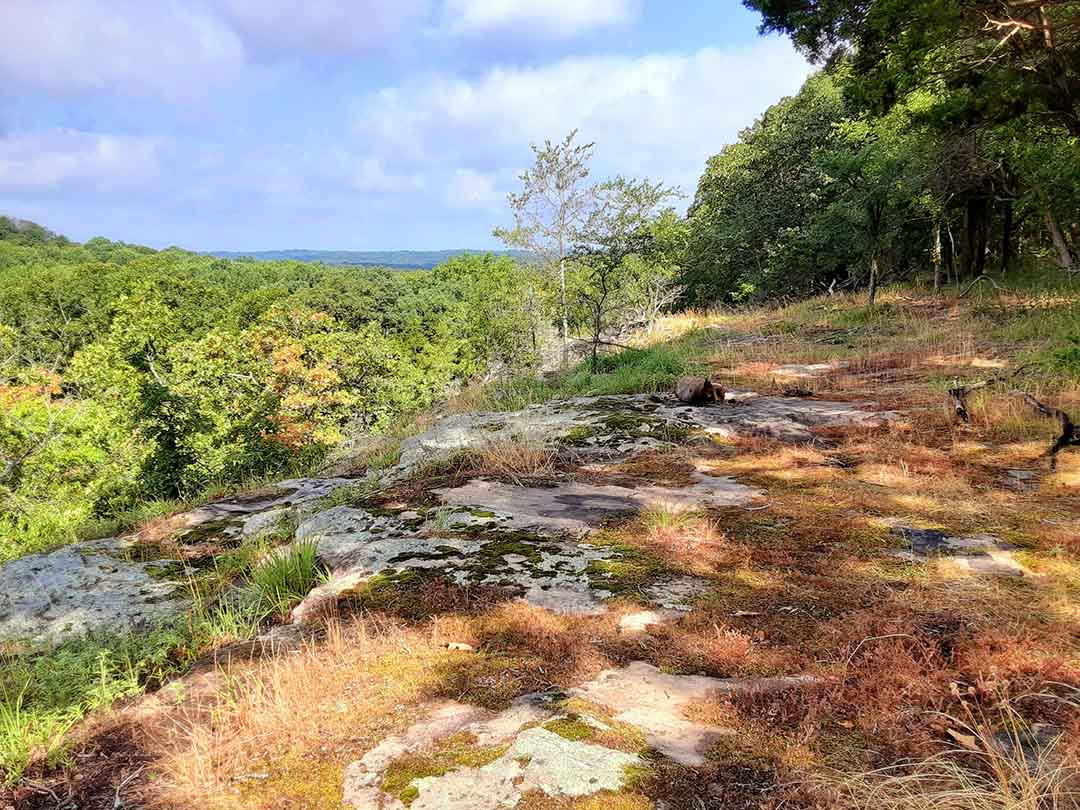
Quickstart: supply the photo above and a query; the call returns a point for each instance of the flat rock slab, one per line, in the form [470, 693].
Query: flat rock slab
[786, 418]
[252, 514]
[1022, 480]
[654, 701]
[581, 508]
[49, 598]
[637, 624]
[977, 553]
[535, 759]
[92, 587]
[677, 594]
[618, 426]
[538, 760]
[548, 570]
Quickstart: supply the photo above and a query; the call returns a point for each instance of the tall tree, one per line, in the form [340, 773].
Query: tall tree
[615, 270]
[550, 212]
[875, 163]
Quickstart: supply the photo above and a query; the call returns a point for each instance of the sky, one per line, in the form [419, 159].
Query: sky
[356, 124]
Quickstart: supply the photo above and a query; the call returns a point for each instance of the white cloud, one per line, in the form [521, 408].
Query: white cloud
[275, 28]
[54, 161]
[158, 49]
[657, 115]
[557, 18]
[468, 188]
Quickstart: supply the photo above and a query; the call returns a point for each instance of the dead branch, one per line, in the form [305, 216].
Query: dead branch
[590, 342]
[959, 393]
[987, 279]
[1068, 437]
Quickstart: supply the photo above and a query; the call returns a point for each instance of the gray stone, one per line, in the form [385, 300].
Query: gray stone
[536, 760]
[356, 545]
[623, 425]
[266, 522]
[1022, 480]
[580, 508]
[49, 598]
[677, 594]
[637, 624]
[977, 553]
[539, 760]
[785, 418]
[653, 701]
[281, 502]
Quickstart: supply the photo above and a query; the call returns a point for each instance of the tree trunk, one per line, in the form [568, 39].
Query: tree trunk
[936, 253]
[981, 237]
[564, 328]
[872, 296]
[1007, 237]
[1065, 257]
[950, 259]
[971, 218]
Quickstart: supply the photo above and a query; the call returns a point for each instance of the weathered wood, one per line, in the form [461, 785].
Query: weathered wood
[959, 393]
[698, 391]
[1068, 437]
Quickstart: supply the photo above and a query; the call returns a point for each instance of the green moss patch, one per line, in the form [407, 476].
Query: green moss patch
[450, 754]
[629, 570]
[571, 728]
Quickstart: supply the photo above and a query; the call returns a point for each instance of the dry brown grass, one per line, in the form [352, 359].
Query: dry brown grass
[517, 460]
[287, 726]
[996, 765]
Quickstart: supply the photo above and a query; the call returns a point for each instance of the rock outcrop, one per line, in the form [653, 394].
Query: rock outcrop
[527, 538]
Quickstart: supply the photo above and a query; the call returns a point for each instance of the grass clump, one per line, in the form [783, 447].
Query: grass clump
[571, 728]
[518, 460]
[43, 696]
[1066, 360]
[285, 577]
[630, 371]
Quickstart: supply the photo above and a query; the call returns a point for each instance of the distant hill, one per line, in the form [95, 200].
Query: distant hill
[396, 259]
[25, 232]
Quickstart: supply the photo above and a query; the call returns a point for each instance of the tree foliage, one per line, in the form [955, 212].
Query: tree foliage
[128, 374]
[939, 134]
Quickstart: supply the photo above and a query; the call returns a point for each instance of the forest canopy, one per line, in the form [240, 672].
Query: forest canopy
[128, 374]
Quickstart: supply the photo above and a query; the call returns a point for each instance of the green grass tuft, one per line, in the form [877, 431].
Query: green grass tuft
[286, 576]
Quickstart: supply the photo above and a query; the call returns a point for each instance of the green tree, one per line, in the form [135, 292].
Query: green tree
[550, 212]
[875, 163]
[753, 228]
[1011, 56]
[613, 269]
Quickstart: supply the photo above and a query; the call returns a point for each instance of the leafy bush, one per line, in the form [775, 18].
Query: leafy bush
[629, 371]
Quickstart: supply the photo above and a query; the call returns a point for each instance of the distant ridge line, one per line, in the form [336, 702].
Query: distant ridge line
[393, 259]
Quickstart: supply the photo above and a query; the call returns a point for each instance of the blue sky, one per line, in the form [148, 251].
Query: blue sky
[355, 124]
